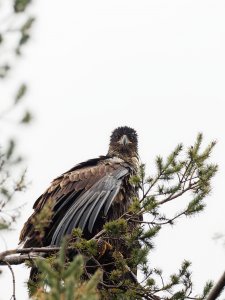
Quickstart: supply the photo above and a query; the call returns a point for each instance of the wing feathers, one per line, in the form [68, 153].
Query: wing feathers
[86, 207]
[80, 196]
[94, 213]
[61, 228]
[83, 210]
[110, 199]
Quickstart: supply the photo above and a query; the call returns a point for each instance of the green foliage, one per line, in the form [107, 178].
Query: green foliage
[139, 256]
[12, 173]
[14, 34]
[135, 180]
[150, 204]
[181, 174]
[10, 183]
[62, 280]
[42, 220]
[20, 5]
[116, 227]
[9, 186]
[26, 118]
[4, 68]
[83, 273]
[208, 286]
[20, 93]
[150, 233]
[135, 205]
[105, 267]
[195, 205]
[19, 26]
[87, 247]
[77, 232]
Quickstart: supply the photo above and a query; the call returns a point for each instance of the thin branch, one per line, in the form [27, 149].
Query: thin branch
[168, 221]
[178, 194]
[18, 259]
[13, 280]
[6, 256]
[151, 185]
[100, 233]
[28, 250]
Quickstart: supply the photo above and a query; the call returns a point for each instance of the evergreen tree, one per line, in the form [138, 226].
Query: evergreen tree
[65, 271]
[74, 271]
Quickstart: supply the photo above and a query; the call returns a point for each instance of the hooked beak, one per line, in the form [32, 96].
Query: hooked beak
[124, 140]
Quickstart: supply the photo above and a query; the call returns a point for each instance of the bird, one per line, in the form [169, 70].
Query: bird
[88, 195]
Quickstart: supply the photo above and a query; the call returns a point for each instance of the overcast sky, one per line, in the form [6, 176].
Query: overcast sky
[157, 66]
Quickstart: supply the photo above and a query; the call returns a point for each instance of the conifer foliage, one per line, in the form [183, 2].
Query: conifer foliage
[63, 279]
[15, 30]
[76, 271]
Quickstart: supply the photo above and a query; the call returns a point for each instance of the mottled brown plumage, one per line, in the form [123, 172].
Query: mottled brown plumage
[89, 194]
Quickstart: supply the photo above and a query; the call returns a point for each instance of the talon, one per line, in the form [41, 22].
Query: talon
[103, 246]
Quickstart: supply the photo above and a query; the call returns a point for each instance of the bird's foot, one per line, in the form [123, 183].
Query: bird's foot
[103, 246]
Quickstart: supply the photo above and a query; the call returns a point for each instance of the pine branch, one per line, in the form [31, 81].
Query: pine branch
[175, 177]
[6, 253]
[18, 259]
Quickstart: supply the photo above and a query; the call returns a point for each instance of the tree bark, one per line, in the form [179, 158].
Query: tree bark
[217, 288]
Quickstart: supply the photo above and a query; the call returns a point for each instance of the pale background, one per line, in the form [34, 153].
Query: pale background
[157, 66]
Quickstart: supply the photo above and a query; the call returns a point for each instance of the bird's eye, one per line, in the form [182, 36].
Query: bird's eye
[132, 137]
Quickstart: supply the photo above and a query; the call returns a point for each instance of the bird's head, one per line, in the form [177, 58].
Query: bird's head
[123, 143]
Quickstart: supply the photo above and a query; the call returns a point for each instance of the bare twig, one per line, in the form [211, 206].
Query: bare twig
[13, 280]
[19, 259]
[9, 257]
[28, 250]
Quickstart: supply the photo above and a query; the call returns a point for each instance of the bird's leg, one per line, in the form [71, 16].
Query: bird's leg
[102, 247]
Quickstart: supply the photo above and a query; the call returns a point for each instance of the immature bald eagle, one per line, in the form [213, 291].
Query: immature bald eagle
[89, 194]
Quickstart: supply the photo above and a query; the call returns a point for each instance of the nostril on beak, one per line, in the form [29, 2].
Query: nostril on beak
[124, 140]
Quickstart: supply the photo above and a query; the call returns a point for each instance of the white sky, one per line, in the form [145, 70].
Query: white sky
[157, 66]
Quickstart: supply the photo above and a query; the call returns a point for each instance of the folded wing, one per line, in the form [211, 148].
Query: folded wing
[86, 208]
[78, 198]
